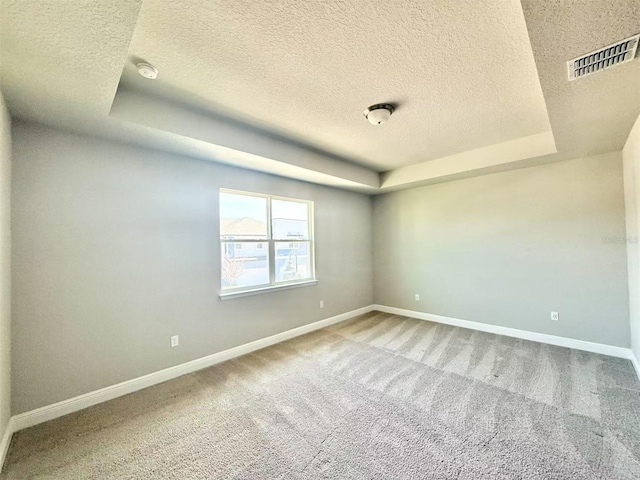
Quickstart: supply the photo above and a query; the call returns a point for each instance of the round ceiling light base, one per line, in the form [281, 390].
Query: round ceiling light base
[379, 113]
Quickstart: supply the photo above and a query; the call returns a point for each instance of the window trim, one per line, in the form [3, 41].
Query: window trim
[271, 242]
[228, 295]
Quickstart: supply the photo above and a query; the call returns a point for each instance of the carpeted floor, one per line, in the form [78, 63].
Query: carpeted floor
[377, 397]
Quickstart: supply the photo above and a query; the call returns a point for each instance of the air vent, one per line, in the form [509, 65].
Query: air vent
[609, 56]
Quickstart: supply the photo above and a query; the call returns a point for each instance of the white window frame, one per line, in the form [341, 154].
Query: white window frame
[271, 242]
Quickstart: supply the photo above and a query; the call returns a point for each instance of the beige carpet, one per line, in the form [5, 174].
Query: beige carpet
[377, 397]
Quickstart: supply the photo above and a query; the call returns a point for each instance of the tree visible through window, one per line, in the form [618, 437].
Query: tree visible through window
[265, 240]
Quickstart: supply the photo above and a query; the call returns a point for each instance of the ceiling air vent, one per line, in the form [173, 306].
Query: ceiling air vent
[614, 54]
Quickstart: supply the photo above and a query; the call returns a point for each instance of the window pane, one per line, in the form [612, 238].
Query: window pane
[242, 217]
[290, 220]
[293, 261]
[245, 264]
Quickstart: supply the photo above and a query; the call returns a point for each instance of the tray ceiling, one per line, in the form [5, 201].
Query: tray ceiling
[280, 87]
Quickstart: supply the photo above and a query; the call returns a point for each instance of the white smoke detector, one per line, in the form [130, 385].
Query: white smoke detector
[147, 70]
[379, 113]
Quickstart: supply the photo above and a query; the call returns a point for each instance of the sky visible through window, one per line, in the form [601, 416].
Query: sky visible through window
[240, 206]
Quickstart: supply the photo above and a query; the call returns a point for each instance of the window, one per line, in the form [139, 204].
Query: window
[266, 241]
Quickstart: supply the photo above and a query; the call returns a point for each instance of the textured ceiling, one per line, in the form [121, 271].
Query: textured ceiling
[594, 114]
[462, 72]
[61, 60]
[60, 65]
[481, 85]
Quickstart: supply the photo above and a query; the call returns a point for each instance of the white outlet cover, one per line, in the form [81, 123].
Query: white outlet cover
[175, 341]
[321, 303]
[417, 297]
[555, 316]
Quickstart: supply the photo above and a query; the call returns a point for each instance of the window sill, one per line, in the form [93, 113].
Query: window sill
[257, 291]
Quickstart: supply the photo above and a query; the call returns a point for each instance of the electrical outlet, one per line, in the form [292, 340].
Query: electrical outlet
[175, 341]
[417, 297]
[321, 303]
[554, 316]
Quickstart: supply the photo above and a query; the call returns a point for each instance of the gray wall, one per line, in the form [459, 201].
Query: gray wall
[509, 248]
[116, 249]
[631, 160]
[5, 267]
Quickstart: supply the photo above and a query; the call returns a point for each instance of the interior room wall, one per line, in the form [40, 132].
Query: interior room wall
[508, 249]
[5, 267]
[116, 249]
[631, 159]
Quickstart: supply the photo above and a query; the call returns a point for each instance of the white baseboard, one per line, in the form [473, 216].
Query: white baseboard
[636, 364]
[49, 412]
[5, 440]
[603, 349]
